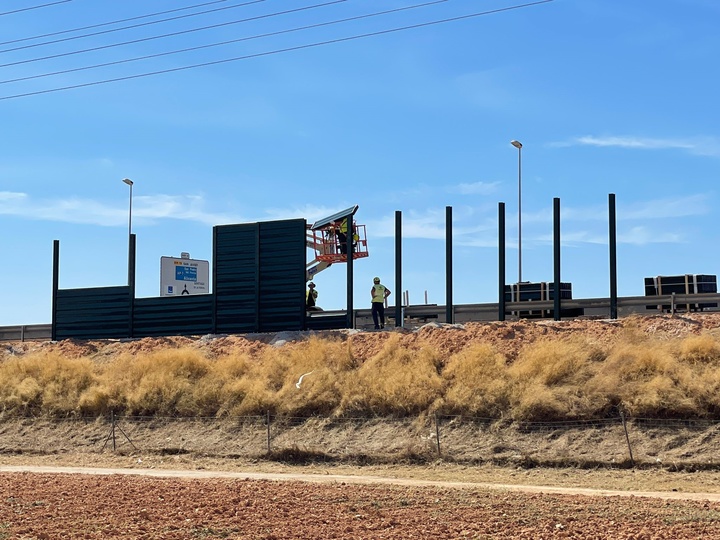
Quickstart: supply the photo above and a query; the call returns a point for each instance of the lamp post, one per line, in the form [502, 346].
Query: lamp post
[518, 145]
[129, 183]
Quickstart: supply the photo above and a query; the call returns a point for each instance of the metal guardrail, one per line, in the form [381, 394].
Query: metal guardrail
[462, 312]
[26, 332]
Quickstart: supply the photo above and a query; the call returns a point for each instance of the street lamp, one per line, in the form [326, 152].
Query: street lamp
[518, 145]
[129, 183]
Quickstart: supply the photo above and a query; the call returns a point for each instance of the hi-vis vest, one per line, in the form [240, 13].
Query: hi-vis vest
[378, 293]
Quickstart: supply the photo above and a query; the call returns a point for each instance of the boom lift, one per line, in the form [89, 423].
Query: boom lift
[323, 238]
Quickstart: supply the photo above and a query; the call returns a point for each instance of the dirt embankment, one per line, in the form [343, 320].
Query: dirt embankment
[508, 337]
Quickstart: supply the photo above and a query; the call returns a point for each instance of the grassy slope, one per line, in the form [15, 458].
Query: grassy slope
[647, 374]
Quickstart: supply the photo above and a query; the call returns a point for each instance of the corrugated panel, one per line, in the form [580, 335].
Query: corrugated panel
[235, 270]
[173, 316]
[260, 276]
[282, 275]
[543, 290]
[681, 284]
[93, 313]
[326, 322]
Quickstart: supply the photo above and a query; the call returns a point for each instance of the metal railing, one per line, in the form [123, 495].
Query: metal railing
[26, 332]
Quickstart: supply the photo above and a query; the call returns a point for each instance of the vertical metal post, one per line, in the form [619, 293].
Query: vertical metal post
[399, 319]
[349, 237]
[501, 261]
[627, 437]
[613, 256]
[55, 285]
[448, 266]
[556, 258]
[520, 214]
[214, 279]
[267, 421]
[130, 212]
[131, 285]
[129, 183]
[112, 420]
[518, 145]
[437, 432]
[258, 281]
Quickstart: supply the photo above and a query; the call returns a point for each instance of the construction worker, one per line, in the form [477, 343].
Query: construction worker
[342, 235]
[378, 293]
[310, 297]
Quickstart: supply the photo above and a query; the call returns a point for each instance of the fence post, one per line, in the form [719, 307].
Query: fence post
[627, 437]
[112, 421]
[437, 433]
[267, 421]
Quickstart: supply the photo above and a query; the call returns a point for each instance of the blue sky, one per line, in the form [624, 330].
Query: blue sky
[607, 96]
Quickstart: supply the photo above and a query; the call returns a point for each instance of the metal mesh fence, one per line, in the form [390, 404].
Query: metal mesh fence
[689, 443]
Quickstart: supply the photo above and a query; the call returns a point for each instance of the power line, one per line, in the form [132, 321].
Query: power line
[35, 7]
[278, 51]
[172, 34]
[129, 27]
[109, 23]
[247, 38]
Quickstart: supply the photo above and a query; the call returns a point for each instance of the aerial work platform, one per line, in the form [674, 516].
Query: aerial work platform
[328, 239]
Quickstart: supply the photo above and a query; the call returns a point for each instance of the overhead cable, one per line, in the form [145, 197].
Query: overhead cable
[35, 7]
[276, 51]
[110, 31]
[172, 34]
[247, 38]
[129, 27]
[118, 21]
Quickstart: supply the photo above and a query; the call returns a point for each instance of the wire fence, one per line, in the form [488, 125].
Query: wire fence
[622, 442]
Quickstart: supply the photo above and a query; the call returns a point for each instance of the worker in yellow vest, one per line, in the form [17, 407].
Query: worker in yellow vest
[342, 235]
[378, 293]
[310, 297]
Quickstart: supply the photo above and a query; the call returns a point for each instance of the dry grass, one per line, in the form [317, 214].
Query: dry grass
[550, 380]
[45, 383]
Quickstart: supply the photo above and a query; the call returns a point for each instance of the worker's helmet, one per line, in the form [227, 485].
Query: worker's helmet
[311, 284]
[376, 280]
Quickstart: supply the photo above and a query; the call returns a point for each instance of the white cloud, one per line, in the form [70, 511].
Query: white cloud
[146, 210]
[575, 238]
[634, 142]
[7, 197]
[643, 235]
[636, 236]
[701, 146]
[692, 205]
[476, 188]
[469, 229]
[676, 207]
[430, 226]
